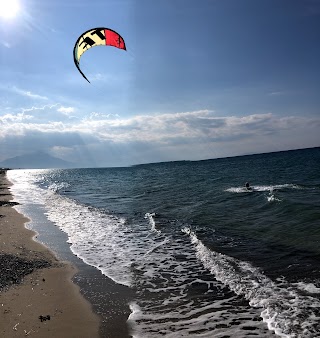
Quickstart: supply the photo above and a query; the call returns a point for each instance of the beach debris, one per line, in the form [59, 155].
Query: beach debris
[100, 36]
[27, 332]
[44, 318]
[15, 327]
[14, 268]
[8, 204]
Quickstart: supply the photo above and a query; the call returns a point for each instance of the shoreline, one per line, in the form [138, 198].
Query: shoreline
[37, 295]
[108, 301]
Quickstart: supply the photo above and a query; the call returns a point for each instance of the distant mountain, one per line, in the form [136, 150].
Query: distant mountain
[36, 160]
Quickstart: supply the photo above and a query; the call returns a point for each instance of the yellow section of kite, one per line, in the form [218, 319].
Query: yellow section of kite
[83, 45]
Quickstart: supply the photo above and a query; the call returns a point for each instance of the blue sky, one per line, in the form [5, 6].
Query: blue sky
[200, 79]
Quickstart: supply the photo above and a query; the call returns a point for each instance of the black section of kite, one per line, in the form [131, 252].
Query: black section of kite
[100, 36]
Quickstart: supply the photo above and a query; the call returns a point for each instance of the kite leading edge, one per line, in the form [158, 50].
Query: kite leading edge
[100, 36]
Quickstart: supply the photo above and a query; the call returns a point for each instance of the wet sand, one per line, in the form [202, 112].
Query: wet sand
[37, 295]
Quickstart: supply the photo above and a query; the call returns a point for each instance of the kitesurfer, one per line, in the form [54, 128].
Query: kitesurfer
[248, 186]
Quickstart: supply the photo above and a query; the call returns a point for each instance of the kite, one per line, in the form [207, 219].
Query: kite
[100, 36]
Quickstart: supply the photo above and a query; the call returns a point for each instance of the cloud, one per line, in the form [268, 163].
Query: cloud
[277, 93]
[9, 118]
[27, 93]
[148, 138]
[33, 108]
[50, 112]
[99, 116]
[178, 127]
[66, 110]
[5, 44]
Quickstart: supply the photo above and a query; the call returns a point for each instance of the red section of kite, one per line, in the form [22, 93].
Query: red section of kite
[114, 39]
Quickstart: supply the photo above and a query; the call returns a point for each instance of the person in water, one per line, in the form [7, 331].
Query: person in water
[248, 186]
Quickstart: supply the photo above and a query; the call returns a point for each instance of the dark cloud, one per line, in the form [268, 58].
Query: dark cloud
[149, 138]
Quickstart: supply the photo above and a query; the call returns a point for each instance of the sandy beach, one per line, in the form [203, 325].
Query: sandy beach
[37, 296]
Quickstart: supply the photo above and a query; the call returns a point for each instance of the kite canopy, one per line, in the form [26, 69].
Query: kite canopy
[100, 36]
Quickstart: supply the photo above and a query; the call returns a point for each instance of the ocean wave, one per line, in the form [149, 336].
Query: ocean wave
[262, 188]
[308, 287]
[286, 311]
[58, 186]
[151, 218]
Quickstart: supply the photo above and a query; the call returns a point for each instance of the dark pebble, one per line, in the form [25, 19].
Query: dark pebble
[14, 268]
[8, 204]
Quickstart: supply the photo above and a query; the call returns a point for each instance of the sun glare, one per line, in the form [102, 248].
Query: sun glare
[9, 8]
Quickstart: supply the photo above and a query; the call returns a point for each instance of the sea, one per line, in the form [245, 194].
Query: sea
[202, 255]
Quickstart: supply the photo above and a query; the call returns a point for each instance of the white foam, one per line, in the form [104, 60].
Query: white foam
[309, 287]
[272, 198]
[239, 190]
[286, 312]
[58, 186]
[133, 318]
[261, 188]
[150, 217]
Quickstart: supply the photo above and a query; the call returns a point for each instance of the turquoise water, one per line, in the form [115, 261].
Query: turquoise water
[204, 255]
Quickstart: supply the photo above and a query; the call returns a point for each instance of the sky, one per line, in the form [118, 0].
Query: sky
[200, 79]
